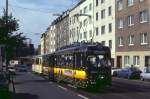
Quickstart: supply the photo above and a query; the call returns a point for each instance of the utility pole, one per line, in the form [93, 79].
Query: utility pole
[6, 15]
[6, 12]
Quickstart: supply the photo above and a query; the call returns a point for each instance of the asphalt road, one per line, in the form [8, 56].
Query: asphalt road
[31, 86]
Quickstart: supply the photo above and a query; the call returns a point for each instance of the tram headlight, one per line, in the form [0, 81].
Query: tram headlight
[101, 77]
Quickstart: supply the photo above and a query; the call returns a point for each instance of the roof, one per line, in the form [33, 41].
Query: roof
[81, 1]
[83, 47]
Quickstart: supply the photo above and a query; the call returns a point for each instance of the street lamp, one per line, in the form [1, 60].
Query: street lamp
[79, 15]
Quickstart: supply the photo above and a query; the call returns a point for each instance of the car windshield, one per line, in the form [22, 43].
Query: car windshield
[148, 70]
[134, 69]
[97, 60]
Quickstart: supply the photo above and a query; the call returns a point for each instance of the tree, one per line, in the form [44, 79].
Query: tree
[8, 35]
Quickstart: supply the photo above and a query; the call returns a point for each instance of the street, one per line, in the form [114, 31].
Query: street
[31, 86]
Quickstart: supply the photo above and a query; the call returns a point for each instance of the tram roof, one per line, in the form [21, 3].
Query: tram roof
[83, 47]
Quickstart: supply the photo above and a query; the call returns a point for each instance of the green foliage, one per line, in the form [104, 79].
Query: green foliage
[8, 36]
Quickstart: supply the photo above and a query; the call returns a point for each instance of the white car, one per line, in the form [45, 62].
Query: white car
[146, 74]
[114, 71]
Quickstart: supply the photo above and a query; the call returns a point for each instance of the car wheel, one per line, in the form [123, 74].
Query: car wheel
[142, 78]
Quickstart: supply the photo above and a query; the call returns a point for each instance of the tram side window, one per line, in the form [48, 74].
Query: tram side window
[62, 60]
[40, 61]
[79, 60]
[32, 61]
[37, 61]
[50, 60]
[71, 61]
[58, 61]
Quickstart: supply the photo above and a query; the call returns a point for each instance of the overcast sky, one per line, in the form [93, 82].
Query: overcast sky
[36, 15]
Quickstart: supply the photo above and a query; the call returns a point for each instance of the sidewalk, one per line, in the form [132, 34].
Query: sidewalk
[4, 89]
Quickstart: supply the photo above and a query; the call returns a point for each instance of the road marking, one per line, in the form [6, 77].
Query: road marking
[62, 87]
[82, 96]
[72, 86]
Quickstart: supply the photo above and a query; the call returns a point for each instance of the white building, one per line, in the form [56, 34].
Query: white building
[104, 12]
[42, 44]
[74, 24]
[94, 20]
[86, 20]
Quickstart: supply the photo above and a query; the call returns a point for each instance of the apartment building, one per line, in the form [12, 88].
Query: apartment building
[86, 19]
[50, 39]
[104, 24]
[133, 33]
[74, 31]
[42, 41]
[62, 30]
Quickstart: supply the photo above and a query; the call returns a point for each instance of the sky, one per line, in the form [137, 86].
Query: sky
[36, 15]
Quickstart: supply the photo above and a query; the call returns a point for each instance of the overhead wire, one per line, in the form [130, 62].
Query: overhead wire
[35, 10]
[17, 15]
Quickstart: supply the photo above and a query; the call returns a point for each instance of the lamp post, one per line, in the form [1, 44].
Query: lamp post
[79, 15]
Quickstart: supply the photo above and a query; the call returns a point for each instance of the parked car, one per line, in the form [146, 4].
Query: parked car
[129, 73]
[22, 68]
[114, 71]
[146, 74]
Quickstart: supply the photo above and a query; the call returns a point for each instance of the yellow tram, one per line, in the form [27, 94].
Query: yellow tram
[85, 65]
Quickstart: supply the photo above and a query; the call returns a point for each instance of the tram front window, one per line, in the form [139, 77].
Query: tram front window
[97, 61]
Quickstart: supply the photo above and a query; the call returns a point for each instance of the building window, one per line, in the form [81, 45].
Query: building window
[130, 20]
[109, 11]
[85, 35]
[120, 23]
[131, 40]
[141, 0]
[78, 32]
[103, 30]
[120, 41]
[70, 33]
[119, 5]
[110, 27]
[85, 9]
[90, 6]
[130, 2]
[96, 16]
[103, 43]
[90, 20]
[70, 21]
[80, 24]
[90, 33]
[126, 60]
[102, 1]
[136, 60]
[103, 14]
[80, 11]
[144, 16]
[97, 2]
[144, 38]
[85, 22]
[97, 31]
[110, 43]
[80, 35]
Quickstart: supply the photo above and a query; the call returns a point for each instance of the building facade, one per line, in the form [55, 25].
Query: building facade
[132, 33]
[86, 20]
[104, 24]
[43, 46]
[51, 45]
[62, 30]
[94, 20]
[74, 24]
